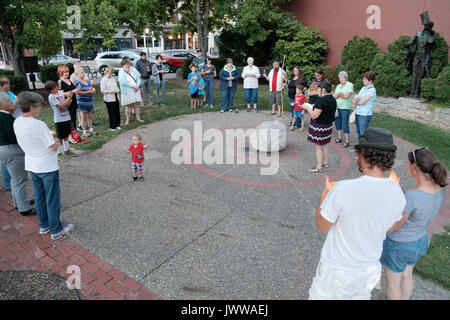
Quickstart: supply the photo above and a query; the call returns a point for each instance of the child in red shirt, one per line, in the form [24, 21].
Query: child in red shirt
[137, 157]
[298, 110]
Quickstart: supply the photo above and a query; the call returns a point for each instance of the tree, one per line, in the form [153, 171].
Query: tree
[42, 31]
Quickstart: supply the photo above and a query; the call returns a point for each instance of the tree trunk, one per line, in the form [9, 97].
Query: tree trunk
[17, 59]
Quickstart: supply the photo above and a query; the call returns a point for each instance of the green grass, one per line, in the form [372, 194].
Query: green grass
[438, 140]
[178, 103]
[435, 264]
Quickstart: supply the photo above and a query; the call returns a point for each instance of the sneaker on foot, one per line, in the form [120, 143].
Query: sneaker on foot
[44, 230]
[31, 212]
[141, 179]
[248, 109]
[255, 110]
[140, 120]
[70, 153]
[92, 131]
[65, 230]
[231, 110]
[222, 111]
[118, 128]
[127, 123]
[237, 111]
[80, 128]
[112, 130]
[86, 134]
[133, 179]
[62, 157]
[211, 106]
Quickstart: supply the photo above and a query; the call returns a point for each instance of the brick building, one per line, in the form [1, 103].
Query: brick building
[381, 20]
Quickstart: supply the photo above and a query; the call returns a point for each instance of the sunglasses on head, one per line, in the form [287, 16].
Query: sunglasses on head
[415, 150]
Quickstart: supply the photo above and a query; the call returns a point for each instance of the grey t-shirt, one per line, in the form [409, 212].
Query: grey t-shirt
[210, 75]
[59, 115]
[422, 208]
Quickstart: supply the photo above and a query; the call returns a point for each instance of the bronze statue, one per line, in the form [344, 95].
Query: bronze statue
[418, 51]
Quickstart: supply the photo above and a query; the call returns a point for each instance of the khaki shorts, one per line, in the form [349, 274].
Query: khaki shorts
[331, 283]
[275, 98]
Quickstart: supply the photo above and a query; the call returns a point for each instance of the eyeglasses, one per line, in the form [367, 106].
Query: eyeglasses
[415, 150]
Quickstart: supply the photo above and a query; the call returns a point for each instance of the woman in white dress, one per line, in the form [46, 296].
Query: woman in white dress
[129, 80]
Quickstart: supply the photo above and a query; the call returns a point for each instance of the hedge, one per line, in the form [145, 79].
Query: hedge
[49, 72]
[18, 83]
[437, 89]
[217, 62]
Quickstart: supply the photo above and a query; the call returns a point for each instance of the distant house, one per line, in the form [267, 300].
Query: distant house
[381, 20]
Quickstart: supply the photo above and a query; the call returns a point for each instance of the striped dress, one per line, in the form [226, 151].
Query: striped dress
[320, 129]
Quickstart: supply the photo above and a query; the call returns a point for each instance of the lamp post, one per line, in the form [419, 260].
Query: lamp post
[146, 31]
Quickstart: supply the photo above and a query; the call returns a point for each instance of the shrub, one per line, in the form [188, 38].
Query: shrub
[307, 48]
[18, 83]
[331, 74]
[357, 56]
[49, 72]
[217, 62]
[437, 89]
[439, 57]
[391, 70]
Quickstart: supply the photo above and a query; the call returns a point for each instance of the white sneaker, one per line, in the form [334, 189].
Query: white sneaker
[118, 128]
[112, 130]
[65, 230]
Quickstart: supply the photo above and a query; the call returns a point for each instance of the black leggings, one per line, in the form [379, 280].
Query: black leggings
[113, 113]
[73, 116]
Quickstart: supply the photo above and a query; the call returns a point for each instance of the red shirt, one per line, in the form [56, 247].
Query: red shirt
[274, 80]
[299, 101]
[137, 153]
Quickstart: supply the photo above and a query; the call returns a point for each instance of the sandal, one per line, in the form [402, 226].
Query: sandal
[272, 113]
[325, 165]
[345, 145]
[338, 140]
[316, 170]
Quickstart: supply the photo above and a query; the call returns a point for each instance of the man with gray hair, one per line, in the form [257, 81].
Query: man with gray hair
[12, 156]
[41, 160]
[276, 79]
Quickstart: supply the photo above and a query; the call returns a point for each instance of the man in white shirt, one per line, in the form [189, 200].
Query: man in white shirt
[276, 78]
[41, 159]
[357, 213]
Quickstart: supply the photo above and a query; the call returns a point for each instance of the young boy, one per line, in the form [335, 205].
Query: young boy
[61, 117]
[193, 80]
[137, 157]
[298, 110]
[201, 92]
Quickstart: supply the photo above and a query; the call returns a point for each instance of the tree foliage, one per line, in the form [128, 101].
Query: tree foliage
[357, 56]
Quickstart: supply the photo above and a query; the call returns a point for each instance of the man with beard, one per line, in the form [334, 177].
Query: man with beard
[276, 78]
[357, 213]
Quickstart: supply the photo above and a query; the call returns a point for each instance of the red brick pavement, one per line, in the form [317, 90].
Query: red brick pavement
[23, 248]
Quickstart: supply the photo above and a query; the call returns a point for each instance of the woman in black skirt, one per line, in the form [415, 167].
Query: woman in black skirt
[66, 85]
[321, 125]
[109, 88]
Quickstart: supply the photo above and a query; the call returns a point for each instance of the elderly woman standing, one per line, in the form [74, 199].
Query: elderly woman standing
[129, 80]
[85, 101]
[343, 94]
[41, 160]
[251, 74]
[228, 83]
[108, 87]
[12, 157]
[364, 103]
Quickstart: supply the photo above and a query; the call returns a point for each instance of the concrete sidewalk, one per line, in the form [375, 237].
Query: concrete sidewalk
[208, 231]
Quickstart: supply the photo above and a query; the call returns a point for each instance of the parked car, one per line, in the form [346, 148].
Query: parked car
[175, 58]
[114, 58]
[60, 59]
[2, 64]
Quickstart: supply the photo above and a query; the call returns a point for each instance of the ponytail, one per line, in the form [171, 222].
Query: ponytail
[439, 174]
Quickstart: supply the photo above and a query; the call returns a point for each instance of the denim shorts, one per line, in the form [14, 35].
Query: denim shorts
[396, 256]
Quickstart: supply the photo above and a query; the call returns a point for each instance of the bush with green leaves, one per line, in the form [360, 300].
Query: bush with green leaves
[49, 72]
[357, 56]
[18, 83]
[439, 56]
[437, 89]
[304, 47]
[392, 77]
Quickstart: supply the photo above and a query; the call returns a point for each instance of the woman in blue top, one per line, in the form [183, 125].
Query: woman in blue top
[407, 240]
[85, 102]
[228, 83]
[364, 103]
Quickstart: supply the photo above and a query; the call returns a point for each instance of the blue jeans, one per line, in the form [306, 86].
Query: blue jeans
[251, 95]
[298, 122]
[341, 121]
[209, 86]
[362, 124]
[47, 200]
[160, 87]
[6, 178]
[145, 85]
[227, 98]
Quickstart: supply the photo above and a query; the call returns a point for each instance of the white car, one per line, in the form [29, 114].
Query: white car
[60, 59]
[2, 64]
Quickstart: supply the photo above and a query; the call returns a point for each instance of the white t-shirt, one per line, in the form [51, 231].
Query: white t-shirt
[108, 85]
[362, 211]
[279, 79]
[34, 137]
[59, 115]
[250, 82]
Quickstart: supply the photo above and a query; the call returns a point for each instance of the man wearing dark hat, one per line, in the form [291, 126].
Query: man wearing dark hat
[357, 213]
